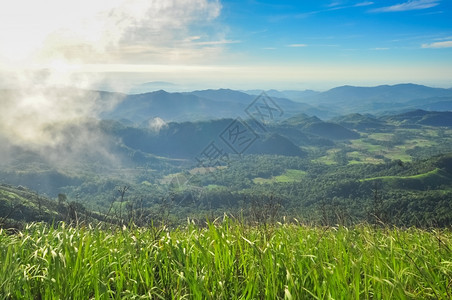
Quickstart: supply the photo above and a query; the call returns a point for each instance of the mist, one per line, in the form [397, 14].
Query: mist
[49, 108]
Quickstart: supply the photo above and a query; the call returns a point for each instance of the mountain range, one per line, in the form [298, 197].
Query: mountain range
[187, 140]
[197, 105]
[225, 103]
[382, 99]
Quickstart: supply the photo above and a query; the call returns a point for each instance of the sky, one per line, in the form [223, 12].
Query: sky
[197, 44]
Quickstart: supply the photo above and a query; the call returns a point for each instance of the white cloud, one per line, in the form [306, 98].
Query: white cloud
[221, 42]
[156, 124]
[409, 5]
[80, 30]
[334, 4]
[331, 7]
[52, 43]
[297, 45]
[445, 44]
[444, 38]
[63, 36]
[365, 3]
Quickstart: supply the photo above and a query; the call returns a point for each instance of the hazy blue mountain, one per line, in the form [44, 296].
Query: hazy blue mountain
[198, 105]
[288, 106]
[432, 104]
[422, 117]
[315, 126]
[437, 106]
[171, 106]
[271, 93]
[276, 144]
[152, 86]
[232, 96]
[300, 95]
[302, 119]
[386, 93]
[224, 95]
[294, 95]
[330, 130]
[360, 122]
[227, 103]
[348, 99]
[299, 137]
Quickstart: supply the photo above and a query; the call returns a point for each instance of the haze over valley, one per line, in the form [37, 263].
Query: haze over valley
[209, 150]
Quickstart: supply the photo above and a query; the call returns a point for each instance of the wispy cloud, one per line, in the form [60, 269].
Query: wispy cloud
[432, 13]
[297, 45]
[99, 28]
[220, 42]
[445, 44]
[409, 5]
[379, 49]
[331, 7]
[366, 3]
[337, 5]
[444, 38]
[53, 48]
[334, 4]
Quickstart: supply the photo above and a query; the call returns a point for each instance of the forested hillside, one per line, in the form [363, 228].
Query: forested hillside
[389, 168]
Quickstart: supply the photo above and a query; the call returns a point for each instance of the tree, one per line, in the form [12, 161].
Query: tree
[62, 198]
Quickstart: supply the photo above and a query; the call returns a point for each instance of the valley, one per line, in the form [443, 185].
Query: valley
[321, 171]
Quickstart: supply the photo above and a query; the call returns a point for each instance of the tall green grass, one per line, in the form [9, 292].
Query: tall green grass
[225, 261]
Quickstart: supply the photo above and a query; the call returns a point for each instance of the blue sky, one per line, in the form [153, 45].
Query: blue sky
[231, 44]
[397, 41]
[331, 31]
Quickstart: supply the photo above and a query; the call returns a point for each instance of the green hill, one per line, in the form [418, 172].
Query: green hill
[188, 139]
[276, 144]
[315, 126]
[19, 205]
[360, 122]
[439, 177]
[422, 117]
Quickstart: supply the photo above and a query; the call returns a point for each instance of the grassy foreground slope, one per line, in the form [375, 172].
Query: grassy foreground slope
[226, 261]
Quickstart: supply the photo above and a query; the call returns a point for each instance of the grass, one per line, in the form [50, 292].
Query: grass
[328, 159]
[290, 175]
[12, 198]
[226, 261]
[434, 179]
[364, 151]
[361, 145]
[381, 136]
[374, 148]
[356, 157]
[435, 172]
[213, 186]
[399, 153]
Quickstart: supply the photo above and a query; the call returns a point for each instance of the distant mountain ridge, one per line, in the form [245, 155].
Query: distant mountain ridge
[227, 103]
[294, 95]
[399, 92]
[422, 117]
[351, 99]
[196, 105]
